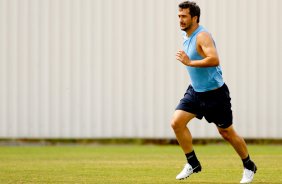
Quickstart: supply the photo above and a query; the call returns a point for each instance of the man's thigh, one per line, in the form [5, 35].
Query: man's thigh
[181, 118]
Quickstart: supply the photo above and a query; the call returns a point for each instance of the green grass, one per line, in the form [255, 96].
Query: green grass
[132, 164]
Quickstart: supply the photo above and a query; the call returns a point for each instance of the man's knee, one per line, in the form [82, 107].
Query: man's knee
[226, 134]
[180, 119]
[174, 124]
[177, 124]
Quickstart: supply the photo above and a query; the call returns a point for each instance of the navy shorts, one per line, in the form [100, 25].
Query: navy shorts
[214, 105]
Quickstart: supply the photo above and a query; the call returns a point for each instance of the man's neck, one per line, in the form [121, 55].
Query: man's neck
[190, 31]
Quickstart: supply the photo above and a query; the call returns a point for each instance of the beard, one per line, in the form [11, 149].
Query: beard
[187, 27]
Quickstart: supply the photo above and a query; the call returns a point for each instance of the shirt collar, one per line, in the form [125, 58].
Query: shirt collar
[184, 34]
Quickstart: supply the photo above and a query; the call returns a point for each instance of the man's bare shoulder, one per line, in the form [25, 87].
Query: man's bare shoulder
[204, 36]
[204, 39]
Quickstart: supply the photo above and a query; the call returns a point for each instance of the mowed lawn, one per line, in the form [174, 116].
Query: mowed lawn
[132, 164]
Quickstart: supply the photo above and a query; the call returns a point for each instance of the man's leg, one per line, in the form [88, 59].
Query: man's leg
[239, 144]
[179, 124]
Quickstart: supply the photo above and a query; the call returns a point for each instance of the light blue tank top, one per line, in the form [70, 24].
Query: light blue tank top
[202, 79]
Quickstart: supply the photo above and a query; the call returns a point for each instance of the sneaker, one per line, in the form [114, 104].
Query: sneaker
[187, 171]
[248, 175]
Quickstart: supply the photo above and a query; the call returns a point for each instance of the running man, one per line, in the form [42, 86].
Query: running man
[207, 96]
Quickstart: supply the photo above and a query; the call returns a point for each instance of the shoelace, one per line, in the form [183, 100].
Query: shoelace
[187, 168]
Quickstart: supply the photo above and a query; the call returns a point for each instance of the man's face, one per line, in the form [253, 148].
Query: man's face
[185, 19]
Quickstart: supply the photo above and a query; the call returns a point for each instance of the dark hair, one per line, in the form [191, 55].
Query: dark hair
[193, 7]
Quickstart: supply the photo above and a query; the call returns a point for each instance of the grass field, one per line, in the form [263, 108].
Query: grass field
[132, 164]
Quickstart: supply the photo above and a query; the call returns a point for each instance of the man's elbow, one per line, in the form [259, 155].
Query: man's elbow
[215, 61]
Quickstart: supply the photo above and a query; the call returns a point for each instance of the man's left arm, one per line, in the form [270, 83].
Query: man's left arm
[206, 49]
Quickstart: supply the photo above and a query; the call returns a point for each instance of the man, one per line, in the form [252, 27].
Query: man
[207, 96]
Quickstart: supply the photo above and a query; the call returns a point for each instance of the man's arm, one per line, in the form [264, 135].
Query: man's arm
[206, 49]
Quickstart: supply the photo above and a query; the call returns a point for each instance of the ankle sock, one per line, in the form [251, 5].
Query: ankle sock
[248, 163]
[192, 159]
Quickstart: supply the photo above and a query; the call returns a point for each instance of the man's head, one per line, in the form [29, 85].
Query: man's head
[189, 14]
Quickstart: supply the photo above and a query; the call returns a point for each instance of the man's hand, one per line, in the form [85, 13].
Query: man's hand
[183, 58]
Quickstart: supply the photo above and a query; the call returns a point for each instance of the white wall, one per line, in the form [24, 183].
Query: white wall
[94, 68]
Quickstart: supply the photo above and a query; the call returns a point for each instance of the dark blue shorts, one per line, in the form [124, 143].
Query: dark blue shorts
[214, 105]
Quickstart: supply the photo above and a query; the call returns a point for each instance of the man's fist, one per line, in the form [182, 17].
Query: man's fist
[183, 58]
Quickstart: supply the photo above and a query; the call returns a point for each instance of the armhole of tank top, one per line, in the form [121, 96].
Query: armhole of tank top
[197, 42]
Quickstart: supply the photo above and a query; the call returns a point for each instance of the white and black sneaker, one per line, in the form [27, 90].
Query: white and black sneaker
[188, 170]
[248, 175]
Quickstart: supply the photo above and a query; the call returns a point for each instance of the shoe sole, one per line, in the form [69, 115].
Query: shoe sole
[193, 172]
[189, 175]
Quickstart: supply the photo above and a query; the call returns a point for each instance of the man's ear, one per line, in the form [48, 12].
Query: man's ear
[195, 18]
